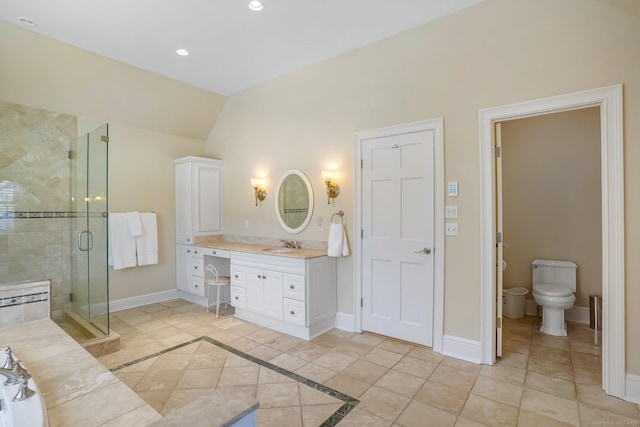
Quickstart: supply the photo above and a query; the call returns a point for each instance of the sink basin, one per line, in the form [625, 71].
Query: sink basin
[278, 250]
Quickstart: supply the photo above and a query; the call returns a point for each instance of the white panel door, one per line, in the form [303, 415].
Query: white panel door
[398, 217]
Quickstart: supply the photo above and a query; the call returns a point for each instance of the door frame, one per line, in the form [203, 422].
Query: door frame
[437, 126]
[609, 99]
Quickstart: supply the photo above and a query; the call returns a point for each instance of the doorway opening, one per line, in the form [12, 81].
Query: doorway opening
[609, 100]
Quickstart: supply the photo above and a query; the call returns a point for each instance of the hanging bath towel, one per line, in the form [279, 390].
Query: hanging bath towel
[337, 244]
[122, 246]
[147, 244]
[135, 224]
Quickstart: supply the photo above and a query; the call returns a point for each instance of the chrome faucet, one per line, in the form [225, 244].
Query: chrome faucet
[294, 244]
[13, 371]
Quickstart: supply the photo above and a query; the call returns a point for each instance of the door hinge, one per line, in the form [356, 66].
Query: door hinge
[499, 322]
[498, 237]
[361, 164]
[70, 154]
[104, 138]
[71, 297]
[361, 303]
[497, 151]
[361, 233]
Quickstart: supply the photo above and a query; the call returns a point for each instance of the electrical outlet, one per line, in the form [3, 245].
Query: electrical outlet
[246, 223]
[451, 229]
[319, 223]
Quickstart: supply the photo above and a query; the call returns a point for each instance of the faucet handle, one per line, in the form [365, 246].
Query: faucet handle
[8, 364]
[20, 370]
[24, 392]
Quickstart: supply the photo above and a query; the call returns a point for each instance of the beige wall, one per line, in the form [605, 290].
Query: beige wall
[495, 53]
[141, 179]
[551, 190]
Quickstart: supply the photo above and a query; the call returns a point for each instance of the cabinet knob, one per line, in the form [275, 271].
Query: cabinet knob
[292, 287]
[188, 251]
[292, 312]
[196, 286]
[235, 275]
[188, 240]
[195, 267]
[214, 252]
[195, 252]
[237, 298]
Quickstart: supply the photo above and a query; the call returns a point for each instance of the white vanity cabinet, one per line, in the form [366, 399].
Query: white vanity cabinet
[190, 269]
[198, 196]
[292, 295]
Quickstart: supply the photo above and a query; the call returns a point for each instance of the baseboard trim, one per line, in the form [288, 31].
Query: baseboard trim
[574, 314]
[462, 348]
[345, 322]
[633, 388]
[139, 301]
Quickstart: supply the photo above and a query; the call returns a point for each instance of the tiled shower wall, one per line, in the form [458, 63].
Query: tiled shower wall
[35, 178]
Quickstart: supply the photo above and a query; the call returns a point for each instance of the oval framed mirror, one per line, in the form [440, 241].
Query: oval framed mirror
[294, 201]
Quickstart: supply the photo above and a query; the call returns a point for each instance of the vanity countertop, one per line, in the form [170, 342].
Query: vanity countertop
[217, 243]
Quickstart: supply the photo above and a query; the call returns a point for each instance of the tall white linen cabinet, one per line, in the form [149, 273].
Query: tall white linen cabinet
[198, 187]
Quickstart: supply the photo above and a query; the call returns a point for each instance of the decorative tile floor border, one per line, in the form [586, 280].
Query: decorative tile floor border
[335, 418]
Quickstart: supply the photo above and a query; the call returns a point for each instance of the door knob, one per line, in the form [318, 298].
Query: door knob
[423, 251]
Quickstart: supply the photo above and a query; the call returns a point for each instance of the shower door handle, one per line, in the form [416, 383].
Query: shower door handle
[89, 241]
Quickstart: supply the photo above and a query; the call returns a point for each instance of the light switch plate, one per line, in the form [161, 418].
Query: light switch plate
[451, 229]
[451, 212]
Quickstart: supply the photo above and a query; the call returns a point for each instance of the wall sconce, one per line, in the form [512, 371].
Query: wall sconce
[332, 188]
[260, 192]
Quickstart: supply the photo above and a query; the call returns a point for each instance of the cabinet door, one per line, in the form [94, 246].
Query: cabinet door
[208, 199]
[183, 267]
[183, 203]
[272, 294]
[255, 290]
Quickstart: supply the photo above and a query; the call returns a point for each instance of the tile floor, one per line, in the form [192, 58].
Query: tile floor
[540, 380]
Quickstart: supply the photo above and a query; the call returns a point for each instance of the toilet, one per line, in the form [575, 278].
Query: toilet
[554, 286]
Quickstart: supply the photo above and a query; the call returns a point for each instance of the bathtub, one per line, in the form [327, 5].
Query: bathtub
[31, 412]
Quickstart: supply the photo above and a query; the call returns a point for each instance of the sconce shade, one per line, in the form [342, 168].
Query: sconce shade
[327, 175]
[256, 182]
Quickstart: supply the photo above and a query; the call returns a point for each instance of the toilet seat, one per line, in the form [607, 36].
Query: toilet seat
[551, 290]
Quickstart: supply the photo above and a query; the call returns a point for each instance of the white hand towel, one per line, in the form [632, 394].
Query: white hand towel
[337, 243]
[135, 224]
[147, 244]
[122, 246]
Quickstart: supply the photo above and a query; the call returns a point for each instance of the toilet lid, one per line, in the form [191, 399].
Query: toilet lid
[552, 290]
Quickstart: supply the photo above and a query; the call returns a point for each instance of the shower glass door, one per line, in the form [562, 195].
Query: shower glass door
[90, 284]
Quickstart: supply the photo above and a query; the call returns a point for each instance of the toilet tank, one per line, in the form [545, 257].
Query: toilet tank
[554, 272]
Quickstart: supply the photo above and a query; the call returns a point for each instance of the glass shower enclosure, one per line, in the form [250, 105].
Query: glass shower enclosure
[89, 297]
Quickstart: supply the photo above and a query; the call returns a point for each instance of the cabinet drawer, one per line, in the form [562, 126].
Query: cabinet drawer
[238, 276]
[238, 297]
[198, 285]
[293, 286]
[220, 253]
[294, 312]
[197, 268]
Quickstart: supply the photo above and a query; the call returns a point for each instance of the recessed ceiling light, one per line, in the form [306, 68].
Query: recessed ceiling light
[182, 52]
[26, 21]
[255, 5]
